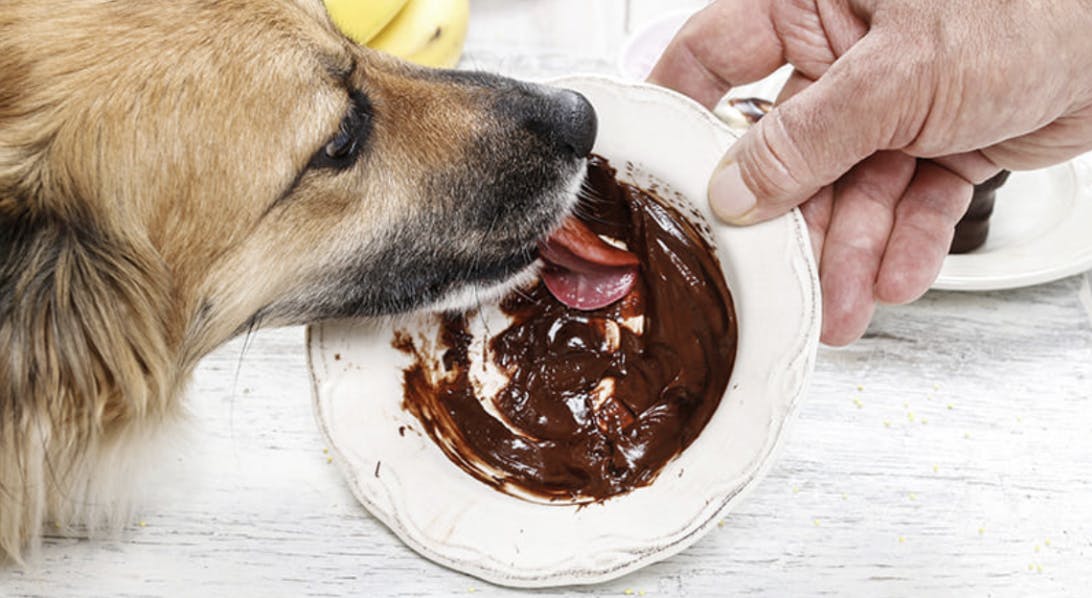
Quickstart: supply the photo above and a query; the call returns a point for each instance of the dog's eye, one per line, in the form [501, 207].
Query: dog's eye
[342, 150]
[341, 146]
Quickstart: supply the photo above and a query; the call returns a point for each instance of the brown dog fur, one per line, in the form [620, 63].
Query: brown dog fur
[159, 194]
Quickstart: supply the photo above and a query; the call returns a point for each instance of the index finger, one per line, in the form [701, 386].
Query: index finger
[725, 44]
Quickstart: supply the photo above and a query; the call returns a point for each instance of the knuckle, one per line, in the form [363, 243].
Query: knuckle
[898, 81]
[774, 166]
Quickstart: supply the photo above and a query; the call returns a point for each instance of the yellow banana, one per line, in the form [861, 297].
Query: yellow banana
[427, 32]
[444, 51]
[361, 20]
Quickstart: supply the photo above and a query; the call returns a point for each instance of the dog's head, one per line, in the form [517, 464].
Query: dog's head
[275, 171]
[175, 171]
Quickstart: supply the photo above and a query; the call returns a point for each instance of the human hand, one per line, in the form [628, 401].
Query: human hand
[878, 85]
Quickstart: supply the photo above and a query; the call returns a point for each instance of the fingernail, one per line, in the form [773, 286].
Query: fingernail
[729, 196]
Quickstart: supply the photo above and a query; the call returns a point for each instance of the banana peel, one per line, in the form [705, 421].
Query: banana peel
[362, 20]
[427, 32]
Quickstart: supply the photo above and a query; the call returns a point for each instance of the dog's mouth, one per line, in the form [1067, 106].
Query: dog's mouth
[582, 270]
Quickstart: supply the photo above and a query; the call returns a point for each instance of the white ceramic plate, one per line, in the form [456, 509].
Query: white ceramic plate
[1040, 231]
[447, 516]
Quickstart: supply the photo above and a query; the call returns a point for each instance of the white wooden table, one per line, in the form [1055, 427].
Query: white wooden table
[947, 453]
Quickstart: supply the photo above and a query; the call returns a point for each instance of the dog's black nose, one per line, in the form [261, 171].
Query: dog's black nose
[576, 123]
[562, 118]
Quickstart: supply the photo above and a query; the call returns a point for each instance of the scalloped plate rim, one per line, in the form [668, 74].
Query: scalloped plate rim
[484, 566]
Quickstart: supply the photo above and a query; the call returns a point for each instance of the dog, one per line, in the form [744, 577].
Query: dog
[176, 172]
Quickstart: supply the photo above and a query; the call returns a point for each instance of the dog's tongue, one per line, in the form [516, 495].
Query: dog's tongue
[584, 271]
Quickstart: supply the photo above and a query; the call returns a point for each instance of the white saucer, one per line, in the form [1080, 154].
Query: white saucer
[401, 476]
[1040, 231]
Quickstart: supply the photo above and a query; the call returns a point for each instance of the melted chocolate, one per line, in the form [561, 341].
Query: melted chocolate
[594, 406]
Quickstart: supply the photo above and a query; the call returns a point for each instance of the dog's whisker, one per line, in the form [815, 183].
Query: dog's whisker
[587, 191]
[583, 213]
[522, 293]
[248, 337]
[481, 313]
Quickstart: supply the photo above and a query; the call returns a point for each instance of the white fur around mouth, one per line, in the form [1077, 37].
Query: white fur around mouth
[475, 295]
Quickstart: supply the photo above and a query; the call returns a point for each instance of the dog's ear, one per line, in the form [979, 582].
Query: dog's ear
[81, 290]
[81, 311]
[85, 344]
[85, 352]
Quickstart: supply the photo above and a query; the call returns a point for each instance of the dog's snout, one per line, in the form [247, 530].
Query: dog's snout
[577, 123]
[563, 119]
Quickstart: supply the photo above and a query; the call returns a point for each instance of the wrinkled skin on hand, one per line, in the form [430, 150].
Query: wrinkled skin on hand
[894, 110]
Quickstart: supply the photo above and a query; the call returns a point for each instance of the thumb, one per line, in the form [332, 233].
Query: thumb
[810, 140]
